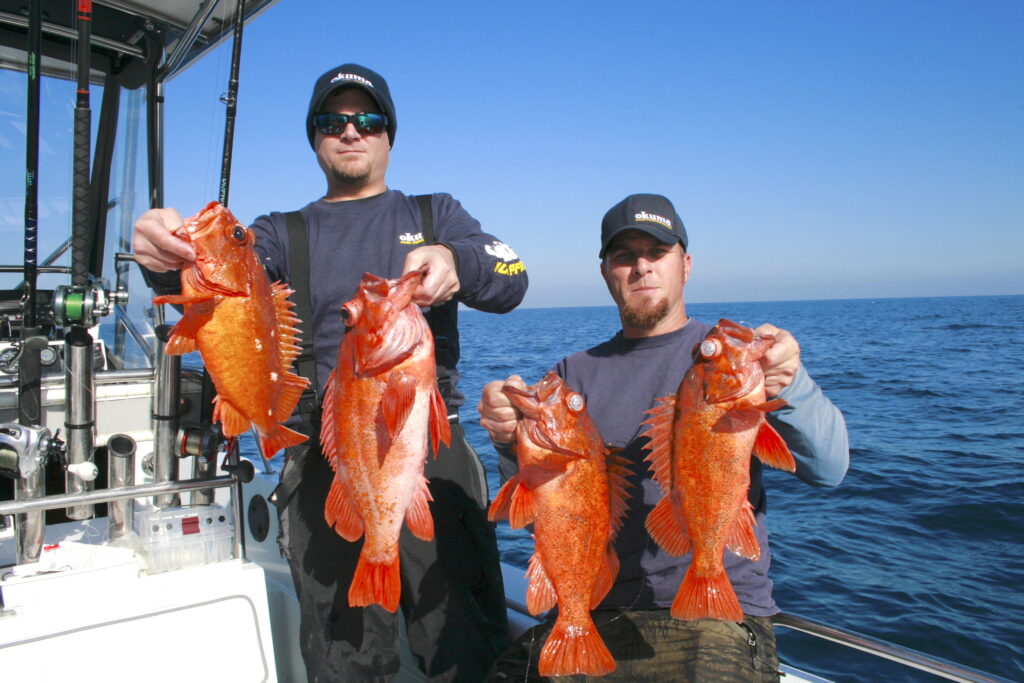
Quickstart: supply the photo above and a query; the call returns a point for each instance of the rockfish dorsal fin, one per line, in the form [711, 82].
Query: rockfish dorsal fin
[660, 440]
[327, 442]
[619, 471]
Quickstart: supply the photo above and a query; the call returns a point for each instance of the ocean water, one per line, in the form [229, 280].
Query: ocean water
[923, 543]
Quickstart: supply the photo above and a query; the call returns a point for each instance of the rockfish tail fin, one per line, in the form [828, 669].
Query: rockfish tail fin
[418, 517]
[440, 429]
[540, 592]
[375, 583]
[341, 513]
[772, 450]
[706, 597]
[660, 440]
[574, 649]
[277, 439]
[667, 526]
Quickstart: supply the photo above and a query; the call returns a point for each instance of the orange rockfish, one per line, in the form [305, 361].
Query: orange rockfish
[575, 497]
[701, 442]
[381, 405]
[243, 327]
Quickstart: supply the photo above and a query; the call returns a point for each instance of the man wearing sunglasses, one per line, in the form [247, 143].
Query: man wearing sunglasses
[452, 593]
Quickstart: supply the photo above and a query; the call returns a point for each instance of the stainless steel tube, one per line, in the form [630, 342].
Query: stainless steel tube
[121, 473]
[79, 418]
[166, 417]
[29, 528]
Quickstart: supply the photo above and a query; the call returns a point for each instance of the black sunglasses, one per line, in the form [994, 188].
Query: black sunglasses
[366, 123]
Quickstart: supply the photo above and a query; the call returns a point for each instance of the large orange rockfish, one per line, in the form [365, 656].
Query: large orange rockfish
[701, 442]
[243, 327]
[381, 405]
[574, 495]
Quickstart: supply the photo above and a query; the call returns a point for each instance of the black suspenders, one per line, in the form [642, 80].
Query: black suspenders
[298, 269]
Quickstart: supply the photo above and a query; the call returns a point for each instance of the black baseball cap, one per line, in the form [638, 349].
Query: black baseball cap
[352, 76]
[650, 213]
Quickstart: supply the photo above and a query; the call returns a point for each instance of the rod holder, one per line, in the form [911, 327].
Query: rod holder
[166, 417]
[120, 474]
[80, 417]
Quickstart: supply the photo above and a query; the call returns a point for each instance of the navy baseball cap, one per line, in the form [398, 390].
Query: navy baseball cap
[352, 76]
[650, 213]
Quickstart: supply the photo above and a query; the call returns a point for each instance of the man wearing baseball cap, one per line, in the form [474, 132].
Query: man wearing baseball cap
[646, 263]
[452, 601]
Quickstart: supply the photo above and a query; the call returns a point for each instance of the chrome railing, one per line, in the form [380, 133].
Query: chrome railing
[880, 648]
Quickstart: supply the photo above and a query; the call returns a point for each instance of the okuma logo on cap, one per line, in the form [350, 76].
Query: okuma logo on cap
[352, 77]
[653, 218]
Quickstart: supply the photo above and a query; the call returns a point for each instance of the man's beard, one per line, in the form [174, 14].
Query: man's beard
[353, 179]
[644, 315]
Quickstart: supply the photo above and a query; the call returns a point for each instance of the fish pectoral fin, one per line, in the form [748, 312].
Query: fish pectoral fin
[183, 300]
[741, 539]
[499, 508]
[769, 406]
[540, 593]
[772, 450]
[513, 502]
[605, 577]
[418, 517]
[440, 429]
[523, 508]
[667, 526]
[396, 401]
[340, 512]
[232, 421]
[660, 440]
[183, 335]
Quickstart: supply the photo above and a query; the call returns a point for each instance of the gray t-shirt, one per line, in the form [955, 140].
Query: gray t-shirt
[620, 380]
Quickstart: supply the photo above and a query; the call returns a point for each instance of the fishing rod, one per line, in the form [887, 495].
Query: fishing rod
[79, 418]
[32, 481]
[205, 466]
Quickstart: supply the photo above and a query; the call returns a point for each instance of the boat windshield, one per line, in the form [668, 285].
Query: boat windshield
[128, 333]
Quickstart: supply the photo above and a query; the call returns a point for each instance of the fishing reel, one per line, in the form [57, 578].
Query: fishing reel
[77, 305]
[25, 450]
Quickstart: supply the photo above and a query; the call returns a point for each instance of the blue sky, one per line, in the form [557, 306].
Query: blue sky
[814, 149]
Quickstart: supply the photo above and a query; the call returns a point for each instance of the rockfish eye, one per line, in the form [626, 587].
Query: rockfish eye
[709, 348]
[574, 402]
[238, 234]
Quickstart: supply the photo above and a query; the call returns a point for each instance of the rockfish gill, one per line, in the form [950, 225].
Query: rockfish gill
[381, 404]
[573, 492]
[243, 327]
[701, 442]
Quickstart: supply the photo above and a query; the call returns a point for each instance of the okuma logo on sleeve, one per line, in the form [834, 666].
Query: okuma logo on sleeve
[508, 263]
